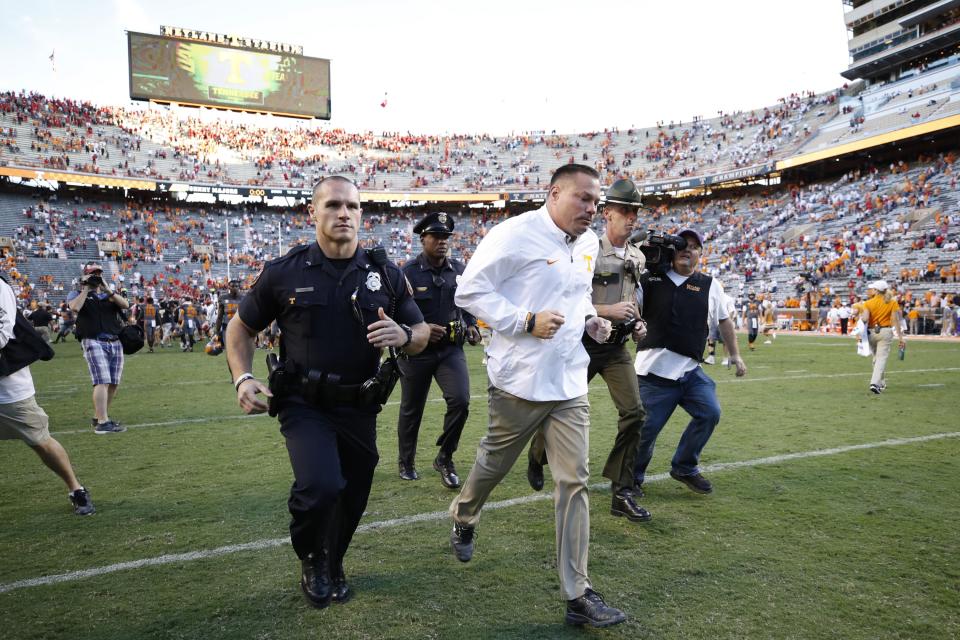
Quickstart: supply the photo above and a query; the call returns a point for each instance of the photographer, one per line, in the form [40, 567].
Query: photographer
[680, 306]
[99, 321]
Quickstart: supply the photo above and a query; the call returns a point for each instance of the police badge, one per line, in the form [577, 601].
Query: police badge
[373, 281]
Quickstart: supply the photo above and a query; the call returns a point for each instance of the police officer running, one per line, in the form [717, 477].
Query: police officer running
[338, 307]
[615, 284]
[433, 277]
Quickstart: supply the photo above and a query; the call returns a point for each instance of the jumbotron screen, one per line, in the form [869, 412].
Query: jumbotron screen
[201, 73]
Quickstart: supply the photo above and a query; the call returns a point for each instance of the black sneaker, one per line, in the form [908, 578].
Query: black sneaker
[695, 482]
[82, 504]
[461, 539]
[109, 427]
[877, 389]
[592, 610]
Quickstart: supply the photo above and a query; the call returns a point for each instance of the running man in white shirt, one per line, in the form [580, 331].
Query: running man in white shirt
[530, 280]
[21, 418]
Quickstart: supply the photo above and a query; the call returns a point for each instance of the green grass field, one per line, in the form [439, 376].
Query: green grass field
[859, 542]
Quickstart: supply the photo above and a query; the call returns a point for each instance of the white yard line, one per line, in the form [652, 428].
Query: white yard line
[440, 515]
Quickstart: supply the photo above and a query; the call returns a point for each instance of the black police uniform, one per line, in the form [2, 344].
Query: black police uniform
[433, 290]
[323, 308]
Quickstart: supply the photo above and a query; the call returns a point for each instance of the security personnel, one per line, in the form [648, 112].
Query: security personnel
[615, 282]
[338, 307]
[433, 277]
[227, 308]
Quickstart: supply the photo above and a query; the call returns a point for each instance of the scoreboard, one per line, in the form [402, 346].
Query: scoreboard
[189, 72]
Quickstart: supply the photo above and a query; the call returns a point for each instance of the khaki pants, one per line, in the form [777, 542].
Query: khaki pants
[565, 425]
[614, 364]
[880, 344]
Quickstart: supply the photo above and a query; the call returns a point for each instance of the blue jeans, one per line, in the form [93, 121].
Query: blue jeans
[697, 394]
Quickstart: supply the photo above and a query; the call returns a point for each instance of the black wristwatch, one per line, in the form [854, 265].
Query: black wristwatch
[409, 333]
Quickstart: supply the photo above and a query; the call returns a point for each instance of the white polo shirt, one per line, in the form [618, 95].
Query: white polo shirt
[528, 264]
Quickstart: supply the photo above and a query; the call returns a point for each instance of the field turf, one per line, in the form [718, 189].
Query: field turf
[852, 542]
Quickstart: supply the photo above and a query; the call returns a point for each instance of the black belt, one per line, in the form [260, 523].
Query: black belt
[319, 393]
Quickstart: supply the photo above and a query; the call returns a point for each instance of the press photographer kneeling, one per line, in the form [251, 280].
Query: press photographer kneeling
[679, 305]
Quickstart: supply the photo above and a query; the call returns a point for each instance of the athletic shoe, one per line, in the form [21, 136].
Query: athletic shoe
[710, 360]
[82, 504]
[109, 427]
[461, 539]
[726, 362]
[877, 389]
[768, 342]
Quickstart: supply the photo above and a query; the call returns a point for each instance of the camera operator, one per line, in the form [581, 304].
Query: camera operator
[679, 307]
[614, 296]
[99, 321]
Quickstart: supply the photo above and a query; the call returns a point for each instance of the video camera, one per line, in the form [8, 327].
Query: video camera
[92, 280]
[658, 248]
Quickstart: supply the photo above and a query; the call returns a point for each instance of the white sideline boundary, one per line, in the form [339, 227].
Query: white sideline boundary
[597, 384]
[270, 543]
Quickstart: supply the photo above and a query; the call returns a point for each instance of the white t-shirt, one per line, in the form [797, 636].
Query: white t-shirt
[18, 385]
[668, 364]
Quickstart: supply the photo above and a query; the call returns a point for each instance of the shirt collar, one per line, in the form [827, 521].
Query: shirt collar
[556, 232]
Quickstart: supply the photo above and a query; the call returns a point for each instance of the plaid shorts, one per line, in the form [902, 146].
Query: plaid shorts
[105, 360]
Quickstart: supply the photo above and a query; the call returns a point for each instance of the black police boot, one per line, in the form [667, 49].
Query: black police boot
[408, 471]
[592, 610]
[315, 579]
[624, 506]
[535, 475]
[448, 473]
[341, 590]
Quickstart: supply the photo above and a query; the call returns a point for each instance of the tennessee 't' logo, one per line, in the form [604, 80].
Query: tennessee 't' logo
[589, 260]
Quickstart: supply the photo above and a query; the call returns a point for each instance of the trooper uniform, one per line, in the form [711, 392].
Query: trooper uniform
[323, 308]
[433, 290]
[615, 280]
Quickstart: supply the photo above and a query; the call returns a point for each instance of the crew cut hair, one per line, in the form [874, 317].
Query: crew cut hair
[569, 170]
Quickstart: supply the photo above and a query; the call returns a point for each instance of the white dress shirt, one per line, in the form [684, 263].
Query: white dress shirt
[528, 264]
[669, 364]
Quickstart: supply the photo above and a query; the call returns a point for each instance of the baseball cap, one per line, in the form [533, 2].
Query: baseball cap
[691, 232]
[93, 267]
[879, 285]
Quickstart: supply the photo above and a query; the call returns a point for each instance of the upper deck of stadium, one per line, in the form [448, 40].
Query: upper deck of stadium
[155, 144]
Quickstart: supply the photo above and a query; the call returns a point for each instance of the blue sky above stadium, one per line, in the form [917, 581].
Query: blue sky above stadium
[497, 66]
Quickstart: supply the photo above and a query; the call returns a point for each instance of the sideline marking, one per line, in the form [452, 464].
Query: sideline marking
[597, 384]
[440, 515]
